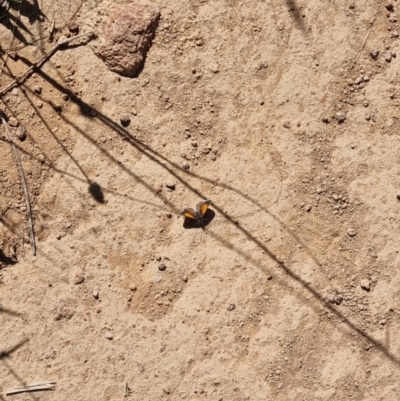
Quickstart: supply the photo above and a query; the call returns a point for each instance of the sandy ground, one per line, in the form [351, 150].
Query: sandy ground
[285, 115]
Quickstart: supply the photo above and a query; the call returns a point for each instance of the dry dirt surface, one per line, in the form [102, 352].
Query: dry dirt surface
[285, 114]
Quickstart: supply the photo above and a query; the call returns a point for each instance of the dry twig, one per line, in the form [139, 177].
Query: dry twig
[32, 387]
[22, 77]
[23, 181]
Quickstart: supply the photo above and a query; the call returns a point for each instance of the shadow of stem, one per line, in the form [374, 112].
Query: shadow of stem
[175, 170]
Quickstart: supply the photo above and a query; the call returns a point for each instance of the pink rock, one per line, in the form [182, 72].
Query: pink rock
[128, 37]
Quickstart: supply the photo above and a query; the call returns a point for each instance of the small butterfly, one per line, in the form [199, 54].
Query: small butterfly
[198, 213]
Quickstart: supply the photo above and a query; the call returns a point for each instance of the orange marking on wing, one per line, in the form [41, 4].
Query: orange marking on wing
[189, 213]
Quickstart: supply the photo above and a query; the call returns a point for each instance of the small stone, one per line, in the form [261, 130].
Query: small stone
[162, 267]
[109, 335]
[65, 97]
[286, 124]
[57, 107]
[308, 208]
[351, 232]
[133, 287]
[79, 279]
[58, 236]
[21, 133]
[366, 78]
[326, 120]
[186, 166]
[73, 27]
[185, 278]
[338, 299]
[374, 53]
[340, 117]
[388, 57]
[68, 224]
[95, 294]
[231, 307]
[170, 185]
[37, 89]
[398, 197]
[358, 80]
[13, 122]
[14, 92]
[365, 284]
[125, 120]
[214, 67]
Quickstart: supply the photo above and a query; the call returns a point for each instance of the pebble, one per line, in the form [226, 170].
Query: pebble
[109, 335]
[162, 267]
[185, 278]
[374, 53]
[133, 287]
[388, 57]
[79, 279]
[95, 294]
[308, 208]
[286, 124]
[340, 117]
[186, 166]
[214, 67]
[21, 133]
[170, 185]
[365, 284]
[73, 27]
[351, 232]
[14, 92]
[231, 307]
[398, 196]
[68, 224]
[37, 89]
[125, 120]
[326, 120]
[13, 122]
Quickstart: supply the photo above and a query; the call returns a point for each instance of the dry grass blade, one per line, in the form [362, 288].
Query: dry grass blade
[32, 387]
[23, 181]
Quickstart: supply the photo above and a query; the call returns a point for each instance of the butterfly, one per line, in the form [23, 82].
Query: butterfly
[198, 213]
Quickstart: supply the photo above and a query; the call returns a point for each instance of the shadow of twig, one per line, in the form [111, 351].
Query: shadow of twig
[173, 169]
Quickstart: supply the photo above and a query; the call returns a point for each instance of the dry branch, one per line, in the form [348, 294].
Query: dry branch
[23, 182]
[22, 77]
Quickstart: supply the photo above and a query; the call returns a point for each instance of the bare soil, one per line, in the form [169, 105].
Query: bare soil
[285, 114]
